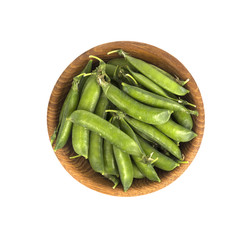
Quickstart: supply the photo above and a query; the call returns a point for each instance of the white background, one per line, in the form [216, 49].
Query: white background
[40, 200]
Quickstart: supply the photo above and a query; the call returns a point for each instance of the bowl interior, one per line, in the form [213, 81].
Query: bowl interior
[79, 168]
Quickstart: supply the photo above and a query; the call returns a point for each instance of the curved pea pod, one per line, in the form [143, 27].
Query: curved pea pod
[184, 119]
[163, 162]
[176, 131]
[125, 166]
[65, 127]
[88, 101]
[155, 100]
[96, 156]
[54, 135]
[96, 153]
[109, 160]
[181, 117]
[134, 108]
[136, 172]
[106, 130]
[155, 135]
[155, 75]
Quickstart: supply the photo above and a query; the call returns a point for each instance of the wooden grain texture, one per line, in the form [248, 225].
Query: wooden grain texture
[79, 168]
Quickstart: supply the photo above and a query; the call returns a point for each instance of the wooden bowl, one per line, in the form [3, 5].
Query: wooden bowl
[80, 168]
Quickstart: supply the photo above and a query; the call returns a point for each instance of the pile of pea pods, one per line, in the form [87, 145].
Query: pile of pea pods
[127, 117]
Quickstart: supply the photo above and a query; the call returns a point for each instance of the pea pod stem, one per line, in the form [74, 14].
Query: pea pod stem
[76, 156]
[112, 111]
[152, 159]
[97, 58]
[180, 82]
[184, 102]
[113, 51]
[179, 161]
[185, 82]
[131, 77]
[84, 74]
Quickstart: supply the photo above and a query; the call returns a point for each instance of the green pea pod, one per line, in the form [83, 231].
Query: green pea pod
[88, 102]
[96, 158]
[54, 135]
[147, 83]
[134, 108]
[146, 169]
[96, 153]
[125, 167]
[176, 131]
[66, 101]
[124, 164]
[184, 119]
[163, 162]
[136, 172]
[176, 79]
[109, 160]
[125, 127]
[82, 78]
[155, 135]
[145, 137]
[154, 100]
[106, 130]
[181, 117]
[65, 127]
[152, 73]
